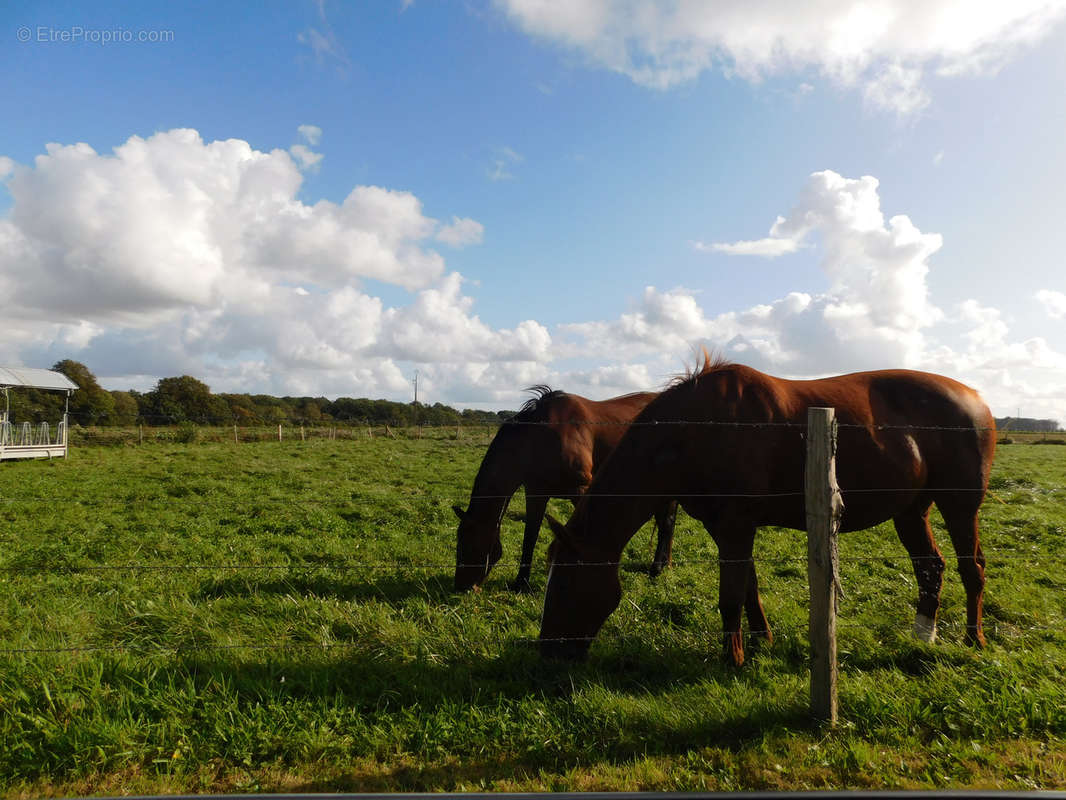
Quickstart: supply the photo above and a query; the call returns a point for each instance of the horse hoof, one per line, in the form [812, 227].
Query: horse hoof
[975, 638]
[733, 651]
[925, 628]
[521, 586]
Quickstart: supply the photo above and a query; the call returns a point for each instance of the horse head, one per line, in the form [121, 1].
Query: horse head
[477, 549]
[583, 589]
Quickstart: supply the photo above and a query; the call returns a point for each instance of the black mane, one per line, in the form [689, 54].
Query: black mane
[542, 394]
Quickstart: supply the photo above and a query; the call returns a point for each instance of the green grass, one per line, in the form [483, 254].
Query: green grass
[278, 617]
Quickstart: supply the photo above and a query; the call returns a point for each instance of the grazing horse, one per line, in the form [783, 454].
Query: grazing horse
[728, 442]
[552, 447]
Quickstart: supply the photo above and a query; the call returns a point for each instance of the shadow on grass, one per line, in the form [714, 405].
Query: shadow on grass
[510, 689]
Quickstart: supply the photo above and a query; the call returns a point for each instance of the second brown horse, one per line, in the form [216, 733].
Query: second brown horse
[552, 447]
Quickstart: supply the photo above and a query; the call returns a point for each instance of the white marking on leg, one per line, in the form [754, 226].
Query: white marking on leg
[925, 628]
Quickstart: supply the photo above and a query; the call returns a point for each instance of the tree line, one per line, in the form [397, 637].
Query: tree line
[1026, 425]
[185, 399]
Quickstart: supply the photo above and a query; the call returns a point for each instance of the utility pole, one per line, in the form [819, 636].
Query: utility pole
[416, 387]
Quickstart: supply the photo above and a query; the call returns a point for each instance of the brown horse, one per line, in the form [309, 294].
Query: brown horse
[728, 442]
[552, 447]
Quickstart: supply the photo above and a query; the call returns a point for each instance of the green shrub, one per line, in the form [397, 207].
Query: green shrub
[187, 433]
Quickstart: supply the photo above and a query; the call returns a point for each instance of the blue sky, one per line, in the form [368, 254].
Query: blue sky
[506, 193]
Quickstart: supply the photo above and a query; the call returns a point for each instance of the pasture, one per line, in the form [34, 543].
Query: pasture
[214, 617]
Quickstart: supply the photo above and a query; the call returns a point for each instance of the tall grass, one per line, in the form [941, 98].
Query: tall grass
[278, 616]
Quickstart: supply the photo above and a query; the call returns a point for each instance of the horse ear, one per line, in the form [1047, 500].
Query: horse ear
[459, 512]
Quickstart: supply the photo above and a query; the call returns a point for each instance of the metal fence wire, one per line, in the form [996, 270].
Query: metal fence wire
[124, 571]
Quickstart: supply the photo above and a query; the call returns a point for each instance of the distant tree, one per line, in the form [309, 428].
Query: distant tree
[184, 399]
[126, 409]
[90, 404]
[309, 410]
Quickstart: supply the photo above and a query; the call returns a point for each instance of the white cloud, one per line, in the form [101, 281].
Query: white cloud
[324, 44]
[772, 246]
[885, 48]
[178, 256]
[438, 327]
[312, 134]
[307, 158]
[1054, 303]
[877, 312]
[896, 88]
[174, 255]
[173, 221]
[502, 162]
[461, 232]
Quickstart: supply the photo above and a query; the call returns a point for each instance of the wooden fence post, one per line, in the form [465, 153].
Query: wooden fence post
[824, 508]
[279, 432]
[235, 439]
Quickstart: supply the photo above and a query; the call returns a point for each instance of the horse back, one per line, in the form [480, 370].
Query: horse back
[902, 434]
[581, 433]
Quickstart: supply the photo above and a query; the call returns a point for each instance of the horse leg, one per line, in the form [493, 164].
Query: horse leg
[912, 527]
[734, 571]
[665, 517]
[536, 504]
[961, 521]
[757, 622]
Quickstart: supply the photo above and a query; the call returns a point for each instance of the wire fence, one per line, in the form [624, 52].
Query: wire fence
[481, 435]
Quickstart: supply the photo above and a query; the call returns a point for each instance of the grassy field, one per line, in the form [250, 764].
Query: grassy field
[278, 617]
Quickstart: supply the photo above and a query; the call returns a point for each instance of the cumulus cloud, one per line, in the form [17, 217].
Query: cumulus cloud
[1054, 303]
[171, 221]
[877, 312]
[173, 255]
[177, 256]
[886, 49]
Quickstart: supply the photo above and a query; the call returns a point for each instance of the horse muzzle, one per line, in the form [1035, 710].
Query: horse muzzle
[469, 577]
[564, 649]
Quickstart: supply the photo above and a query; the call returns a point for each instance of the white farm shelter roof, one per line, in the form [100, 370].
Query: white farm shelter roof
[29, 378]
[23, 440]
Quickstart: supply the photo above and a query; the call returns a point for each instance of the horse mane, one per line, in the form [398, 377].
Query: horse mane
[705, 363]
[541, 394]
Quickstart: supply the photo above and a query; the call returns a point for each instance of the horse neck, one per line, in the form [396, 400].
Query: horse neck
[623, 496]
[498, 478]
[606, 520]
